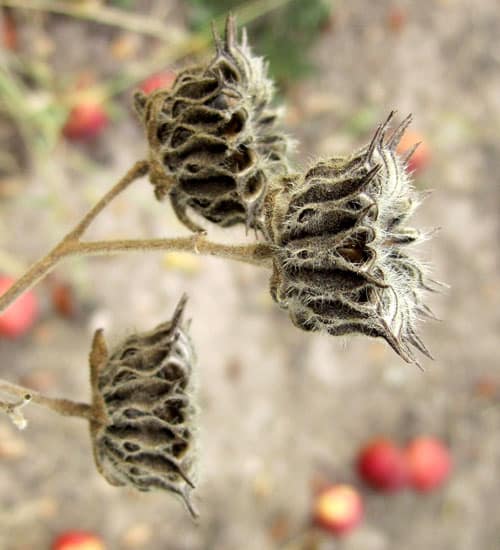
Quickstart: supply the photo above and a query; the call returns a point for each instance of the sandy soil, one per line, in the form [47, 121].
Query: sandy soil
[281, 408]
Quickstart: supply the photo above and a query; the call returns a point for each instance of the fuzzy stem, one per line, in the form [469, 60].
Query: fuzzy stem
[64, 407]
[68, 244]
[137, 171]
[256, 253]
[35, 273]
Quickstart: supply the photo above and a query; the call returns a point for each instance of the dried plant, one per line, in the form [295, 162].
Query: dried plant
[143, 392]
[214, 138]
[142, 414]
[335, 236]
[341, 261]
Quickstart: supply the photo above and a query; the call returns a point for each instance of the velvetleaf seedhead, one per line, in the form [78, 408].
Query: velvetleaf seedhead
[214, 137]
[142, 394]
[342, 262]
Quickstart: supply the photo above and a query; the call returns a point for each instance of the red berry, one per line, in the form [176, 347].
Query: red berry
[8, 31]
[85, 121]
[157, 81]
[382, 465]
[77, 540]
[64, 300]
[429, 463]
[396, 19]
[19, 317]
[421, 157]
[338, 509]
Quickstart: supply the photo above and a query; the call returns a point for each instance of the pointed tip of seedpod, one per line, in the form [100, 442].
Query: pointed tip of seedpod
[179, 311]
[411, 151]
[231, 33]
[379, 135]
[186, 497]
[244, 43]
[99, 349]
[219, 46]
[396, 136]
[398, 345]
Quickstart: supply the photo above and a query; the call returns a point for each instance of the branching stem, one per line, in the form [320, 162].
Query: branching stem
[71, 245]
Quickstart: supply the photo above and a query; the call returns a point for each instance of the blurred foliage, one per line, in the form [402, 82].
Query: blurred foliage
[123, 4]
[35, 99]
[31, 115]
[284, 36]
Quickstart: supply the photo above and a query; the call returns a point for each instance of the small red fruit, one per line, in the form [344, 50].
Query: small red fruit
[382, 465]
[64, 300]
[78, 540]
[396, 19]
[422, 155]
[429, 463]
[19, 317]
[8, 30]
[338, 509]
[158, 81]
[85, 121]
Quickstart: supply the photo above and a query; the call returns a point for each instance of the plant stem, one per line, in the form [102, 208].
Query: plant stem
[71, 245]
[44, 266]
[64, 407]
[255, 254]
[137, 171]
[35, 273]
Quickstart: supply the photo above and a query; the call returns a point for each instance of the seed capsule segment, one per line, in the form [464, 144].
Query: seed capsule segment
[214, 137]
[142, 391]
[342, 262]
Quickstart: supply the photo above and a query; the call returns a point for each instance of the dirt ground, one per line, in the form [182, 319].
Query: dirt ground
[281, 408]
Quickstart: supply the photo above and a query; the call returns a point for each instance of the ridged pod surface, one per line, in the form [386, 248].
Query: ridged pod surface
[143, 393]
[214, 137]
[342, 262]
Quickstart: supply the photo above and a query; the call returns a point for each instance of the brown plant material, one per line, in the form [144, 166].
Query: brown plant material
[73, 245]
[142, 395]
[142, 418]
[342, 262]
[214, 137]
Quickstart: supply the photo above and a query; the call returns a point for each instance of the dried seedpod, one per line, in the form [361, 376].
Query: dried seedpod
[341, 260]
[214, 137]
[142, 395]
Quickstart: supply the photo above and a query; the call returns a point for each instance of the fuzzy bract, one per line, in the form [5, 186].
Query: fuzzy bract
[214, 137]
[144, 392]
[342, 246]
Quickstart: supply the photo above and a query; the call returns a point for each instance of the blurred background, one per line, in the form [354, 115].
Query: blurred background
[283, 412]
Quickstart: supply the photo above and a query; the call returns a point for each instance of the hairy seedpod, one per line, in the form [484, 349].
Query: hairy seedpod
[144, 433]
[214, 137]
[342, 261]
